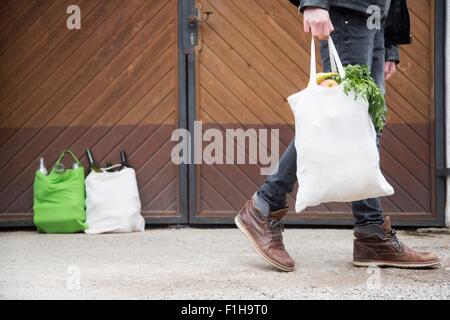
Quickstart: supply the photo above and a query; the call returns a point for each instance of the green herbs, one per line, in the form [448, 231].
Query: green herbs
[358, 79]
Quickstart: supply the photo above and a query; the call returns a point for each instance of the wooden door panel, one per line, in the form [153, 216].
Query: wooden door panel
[111, 86]
[252, 55]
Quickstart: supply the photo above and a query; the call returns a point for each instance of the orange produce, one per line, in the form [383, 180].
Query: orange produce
[329, 83]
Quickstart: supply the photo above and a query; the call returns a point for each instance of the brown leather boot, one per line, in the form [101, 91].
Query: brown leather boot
[265, 235]
[377, 245]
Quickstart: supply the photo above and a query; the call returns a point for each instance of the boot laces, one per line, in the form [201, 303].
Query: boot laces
[275, 228]
[394, 238]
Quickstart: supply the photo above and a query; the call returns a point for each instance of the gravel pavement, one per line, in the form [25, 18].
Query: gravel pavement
[195, 263]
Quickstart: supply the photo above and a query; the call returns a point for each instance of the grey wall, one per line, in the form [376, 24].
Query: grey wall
[447, 104]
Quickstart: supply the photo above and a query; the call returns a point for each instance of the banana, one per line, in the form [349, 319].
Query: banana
[321, 76]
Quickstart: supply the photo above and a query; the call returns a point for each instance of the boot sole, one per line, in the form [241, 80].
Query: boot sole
[404, 265]
[277, 265]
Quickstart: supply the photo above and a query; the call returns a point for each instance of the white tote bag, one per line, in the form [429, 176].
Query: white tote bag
[335, 139]
[112, 202]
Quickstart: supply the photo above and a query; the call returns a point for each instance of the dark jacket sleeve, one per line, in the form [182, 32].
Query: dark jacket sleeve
[295, 2]
[324, 4]
[397, 30]
[392, 53]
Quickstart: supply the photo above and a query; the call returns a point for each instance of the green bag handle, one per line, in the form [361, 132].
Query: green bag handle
[63, 154]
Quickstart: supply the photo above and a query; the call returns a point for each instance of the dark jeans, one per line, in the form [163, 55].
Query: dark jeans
[356, 44]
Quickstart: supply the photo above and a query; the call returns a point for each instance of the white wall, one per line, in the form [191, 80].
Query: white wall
[447, 104]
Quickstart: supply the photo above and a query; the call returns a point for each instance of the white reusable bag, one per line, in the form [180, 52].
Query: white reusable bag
[112, 202]
[335, 139]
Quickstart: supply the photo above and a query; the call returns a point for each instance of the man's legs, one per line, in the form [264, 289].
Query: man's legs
[364, 47]
[375, 243]
[369, 211]
[277, 186]
[260, 218]
[356, 44]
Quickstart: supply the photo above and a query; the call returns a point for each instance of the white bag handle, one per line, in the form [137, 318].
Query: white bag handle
[332, 60]
[111, 167]
[335, 62]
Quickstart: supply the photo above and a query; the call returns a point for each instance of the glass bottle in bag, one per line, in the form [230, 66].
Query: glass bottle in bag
[42, 168]
[93, 166]
[124, 160]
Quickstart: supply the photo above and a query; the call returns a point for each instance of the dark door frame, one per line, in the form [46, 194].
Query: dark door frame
[440, 110]
[188, 8]
[190, 34]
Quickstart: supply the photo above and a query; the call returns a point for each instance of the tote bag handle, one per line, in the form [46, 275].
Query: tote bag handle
[335, 62]
[63, 154]
[115, 166]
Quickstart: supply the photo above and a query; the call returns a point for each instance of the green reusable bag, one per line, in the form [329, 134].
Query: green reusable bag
[59, 199]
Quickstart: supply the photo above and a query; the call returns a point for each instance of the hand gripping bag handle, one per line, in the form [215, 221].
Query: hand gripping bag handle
[335, 62]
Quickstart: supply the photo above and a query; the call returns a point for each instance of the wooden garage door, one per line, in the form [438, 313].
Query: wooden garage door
[111, 86]
[252, 54]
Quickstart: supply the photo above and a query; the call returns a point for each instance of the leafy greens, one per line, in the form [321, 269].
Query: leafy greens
[358, 79]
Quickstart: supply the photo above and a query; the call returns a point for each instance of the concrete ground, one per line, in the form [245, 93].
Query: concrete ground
[207, 264]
